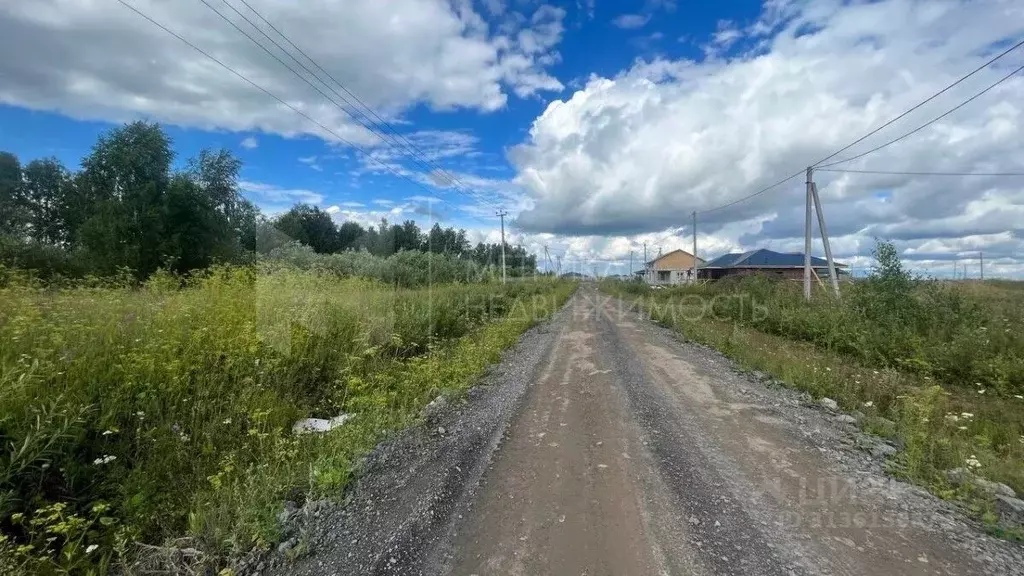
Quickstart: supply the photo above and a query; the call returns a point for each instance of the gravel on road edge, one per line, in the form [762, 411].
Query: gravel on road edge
[413, 485]
[414, 488]
[855, 455]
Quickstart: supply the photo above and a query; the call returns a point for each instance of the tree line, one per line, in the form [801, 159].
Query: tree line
[127, 209]
[315, 228]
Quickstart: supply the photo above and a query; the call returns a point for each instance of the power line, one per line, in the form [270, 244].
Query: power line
[365, 112]
[930, 122]
[921, 103]
[758, 193]
[883, 126]
[428, 167]
[920, 173]
[409, 144]
[272, 95]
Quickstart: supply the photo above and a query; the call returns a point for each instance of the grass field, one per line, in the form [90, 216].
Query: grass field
[164, 413]
[937, 367]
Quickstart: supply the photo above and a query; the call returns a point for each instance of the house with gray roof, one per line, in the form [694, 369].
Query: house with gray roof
[764, 261]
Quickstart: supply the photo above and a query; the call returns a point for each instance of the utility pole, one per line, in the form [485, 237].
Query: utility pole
[807, 238]
[502, 214]
[824, 239]
[631, 264]
[694, 245]
[646, 279]
[558, 259]
[815, 200]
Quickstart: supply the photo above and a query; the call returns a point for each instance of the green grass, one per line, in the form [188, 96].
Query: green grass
[163, 413]
[941, 421]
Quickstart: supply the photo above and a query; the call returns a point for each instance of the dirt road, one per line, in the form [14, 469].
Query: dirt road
[629, 452]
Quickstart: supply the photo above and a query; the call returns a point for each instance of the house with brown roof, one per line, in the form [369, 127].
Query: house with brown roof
[675, 267]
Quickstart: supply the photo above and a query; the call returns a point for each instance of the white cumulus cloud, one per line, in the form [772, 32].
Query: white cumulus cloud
[99, 60]
[640, 151]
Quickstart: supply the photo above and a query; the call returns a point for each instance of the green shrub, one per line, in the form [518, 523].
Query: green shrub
[148, 413]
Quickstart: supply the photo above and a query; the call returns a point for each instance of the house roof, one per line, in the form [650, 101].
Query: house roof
[764, 258]
[667, 254]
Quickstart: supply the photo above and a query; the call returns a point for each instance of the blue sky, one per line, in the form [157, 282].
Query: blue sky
[590, 45]
[598, 125]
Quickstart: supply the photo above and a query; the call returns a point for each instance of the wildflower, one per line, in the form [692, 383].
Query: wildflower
[828, 369]
[91, 548]
[869, 404]
[105, 459]
[141, 415]
[972, 462]
[982, 391]
[108, 432]
[961, 427]
[227, 421]
[966, 415]
[1018, 397]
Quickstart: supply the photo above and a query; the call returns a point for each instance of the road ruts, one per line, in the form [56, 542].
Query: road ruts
[633, 453]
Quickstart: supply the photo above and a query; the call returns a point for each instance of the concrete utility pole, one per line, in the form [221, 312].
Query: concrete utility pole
[558, 259]
[807, 238]
[812, 198]
[502, 214]
[824, 239]
[694, 245]
[630, 264]
[645, 262]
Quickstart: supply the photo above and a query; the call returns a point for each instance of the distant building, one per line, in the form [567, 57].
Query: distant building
[676, 267]
[763, 261]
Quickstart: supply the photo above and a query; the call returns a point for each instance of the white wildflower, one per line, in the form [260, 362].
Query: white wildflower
[869, 404]
[1018, 397]
[982, 391]
[966, 415]
[91, 548]
[227, 421]
[105, 459]
[972, 462]
[961, 427]
[108, 432]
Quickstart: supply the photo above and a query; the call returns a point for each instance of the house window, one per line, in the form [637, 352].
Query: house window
[664, 275]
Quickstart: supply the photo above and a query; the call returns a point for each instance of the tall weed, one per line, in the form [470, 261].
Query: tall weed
[148, 413]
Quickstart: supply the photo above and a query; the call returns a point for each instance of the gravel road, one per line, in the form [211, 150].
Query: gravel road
[604, 445]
